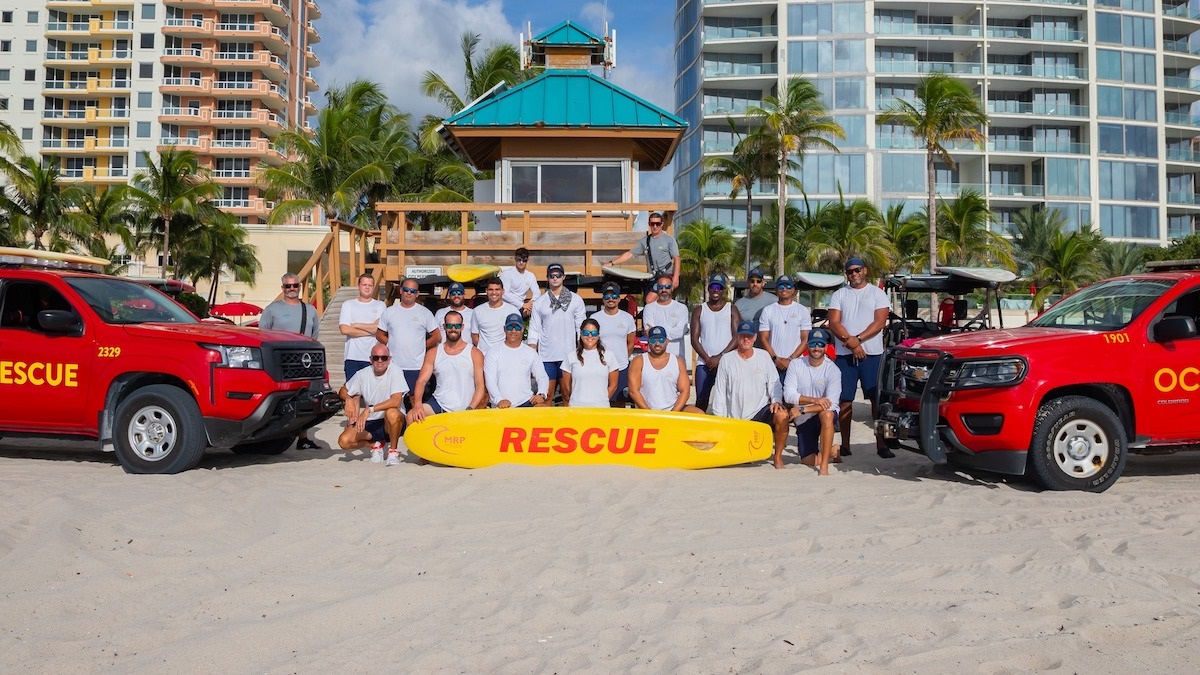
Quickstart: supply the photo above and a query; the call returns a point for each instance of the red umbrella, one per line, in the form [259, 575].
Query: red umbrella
[235, 309]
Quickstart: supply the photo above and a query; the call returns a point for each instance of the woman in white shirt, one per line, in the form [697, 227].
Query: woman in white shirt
[589, 379]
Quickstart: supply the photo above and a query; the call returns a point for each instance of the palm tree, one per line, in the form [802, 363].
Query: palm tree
[37, 202]
[764, 240]
[106, 212]
[175, 186]
[753, 161]
[1118, 258]
[799, 122]
[704, 249]
[945, 109]
[1068, 264]
[219, 244]
[965, 238]
[844, 231]
[1032, 231]
[904, 234]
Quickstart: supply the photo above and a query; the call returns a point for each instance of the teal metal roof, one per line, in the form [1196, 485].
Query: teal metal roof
[568, 34]
[565, 99]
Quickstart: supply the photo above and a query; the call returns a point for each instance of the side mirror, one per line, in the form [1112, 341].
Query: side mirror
[64, 322]
[1174, 328]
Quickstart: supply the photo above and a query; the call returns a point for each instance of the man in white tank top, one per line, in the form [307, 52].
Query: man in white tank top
[458, 367]
[457, 295]
[659, 380]
[713, 325]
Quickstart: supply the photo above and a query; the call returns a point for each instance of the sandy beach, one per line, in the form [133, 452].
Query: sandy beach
[319, 562]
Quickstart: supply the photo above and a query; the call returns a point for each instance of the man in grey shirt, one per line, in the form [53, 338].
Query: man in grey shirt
[750, 305]
[662, 255]
[294, 315]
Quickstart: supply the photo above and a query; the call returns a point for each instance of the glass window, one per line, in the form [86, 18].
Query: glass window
[148, 11]
[145, 99]
[1140, 141]
[1109, 101]
[147, 41]
[31, 46]
[567, 183]
[849, 17]
[5, 45]
[1139, 68]
[1108, 65]
[848, 56]
[1128, 180]
[1138, 32]
[1141, 104]
[855, 127]
[903, 173]
[145, 70]
[1108, 28]
[31, 17]
[825, 174]
[30, 74]
[143, 130]
[27, 133]
[27, 104]
[1068, 177]
[1137, 222]
[5, 74]
[849, 94]
[609, 186]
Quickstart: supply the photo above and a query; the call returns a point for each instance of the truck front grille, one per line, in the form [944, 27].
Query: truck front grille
[301, 364]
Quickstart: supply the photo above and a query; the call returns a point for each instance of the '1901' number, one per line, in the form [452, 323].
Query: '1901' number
[1116, 338]
[109, 352]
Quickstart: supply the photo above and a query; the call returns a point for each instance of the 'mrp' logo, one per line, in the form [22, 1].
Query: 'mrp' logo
[445, 441]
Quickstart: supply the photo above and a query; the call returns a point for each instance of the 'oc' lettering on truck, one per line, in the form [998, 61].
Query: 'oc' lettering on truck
[114, 360]
[1110, 370]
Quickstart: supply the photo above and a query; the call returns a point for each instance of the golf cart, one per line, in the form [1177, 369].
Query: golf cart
[951, 282]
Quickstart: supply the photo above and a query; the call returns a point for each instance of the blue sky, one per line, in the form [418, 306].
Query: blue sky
[394, 42]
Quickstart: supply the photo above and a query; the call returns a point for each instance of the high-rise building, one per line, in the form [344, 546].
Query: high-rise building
[97, 83]
[1091, 103]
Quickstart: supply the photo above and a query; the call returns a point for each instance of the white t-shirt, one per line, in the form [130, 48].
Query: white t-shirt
[745, 386]
[555, 331]
[407, 329]
[455, 374]
[824, 381]
[355, 311]
[488, 323]
[785, 323]
[614, 333]
[440, 319]
[508, 371]
[674, 318]
[858, 311]
[377, 388]
[716, 328]
[660, 388]
[518, 284]
[589, 378]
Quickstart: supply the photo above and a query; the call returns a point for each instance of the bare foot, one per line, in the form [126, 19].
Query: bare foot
[823, 472]
[778, 463]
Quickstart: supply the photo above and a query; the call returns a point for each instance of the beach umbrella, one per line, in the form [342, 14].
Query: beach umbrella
[235, 309]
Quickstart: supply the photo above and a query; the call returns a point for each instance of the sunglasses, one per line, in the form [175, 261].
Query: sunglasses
[406, 289]
[657, 341]
[716, 287]
[456, 293]
[656, 223]
[522, 258]
[291, 285]
[590, 333]
[784, 286]
[514, 326]
[856, 270]
[453, 326]
[662, 287]
[611, 296]
[817, 345]
[556, 275]
[380, 358]
[755, 280]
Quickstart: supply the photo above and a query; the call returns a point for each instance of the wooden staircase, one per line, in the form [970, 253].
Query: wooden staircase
[332, 338]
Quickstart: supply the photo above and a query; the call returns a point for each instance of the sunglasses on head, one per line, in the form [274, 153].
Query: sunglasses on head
[656, 341]
[590, 333]
[855, 270]
[291, 285]
[380, 358]
[611, 296]
[406, 289]
[454, 326]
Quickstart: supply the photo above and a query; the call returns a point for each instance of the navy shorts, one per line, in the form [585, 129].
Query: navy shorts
[553, 369]
[437, 408]
[620, 396]
[764, 415]
[855, 371]
[808, 435]
[352, 367]
[377, 430]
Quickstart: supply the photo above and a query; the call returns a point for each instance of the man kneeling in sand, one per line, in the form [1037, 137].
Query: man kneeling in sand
[510, 367]
[747, 387]
[373, 408]
[813, 385]
[457, 366]
[658, 379]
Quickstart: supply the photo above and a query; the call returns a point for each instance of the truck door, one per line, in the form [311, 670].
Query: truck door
[44, 377]
[1173, 379]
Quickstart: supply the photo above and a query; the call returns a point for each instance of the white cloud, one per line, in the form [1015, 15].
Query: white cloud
[594, 14]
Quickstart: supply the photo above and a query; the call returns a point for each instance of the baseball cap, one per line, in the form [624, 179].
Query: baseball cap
[756, 273]
[819, 337]
[657, 332]
[457, 288]
[855, 262]
[555, 267]
[611, 287]
[513, 319]
[719, 279]
[745, 328]
[785, 279]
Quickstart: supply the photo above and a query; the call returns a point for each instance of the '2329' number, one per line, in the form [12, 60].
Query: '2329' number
[109, 352]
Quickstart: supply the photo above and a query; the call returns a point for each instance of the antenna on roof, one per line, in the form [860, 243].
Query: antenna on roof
[525, 48]
[610, 45]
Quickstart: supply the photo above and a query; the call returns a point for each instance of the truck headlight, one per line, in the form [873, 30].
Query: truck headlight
[991, 373]
[238, 357]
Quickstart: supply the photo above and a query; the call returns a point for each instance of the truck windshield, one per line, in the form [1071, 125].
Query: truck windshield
[1107, 305]
[120, 301]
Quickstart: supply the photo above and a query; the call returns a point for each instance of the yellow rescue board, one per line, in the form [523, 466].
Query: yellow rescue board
[467, 273]
[474, 439]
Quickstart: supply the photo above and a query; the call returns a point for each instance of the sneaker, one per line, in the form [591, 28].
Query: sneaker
[846, 452]
[886, 453]
[377, 452]
[393, 458]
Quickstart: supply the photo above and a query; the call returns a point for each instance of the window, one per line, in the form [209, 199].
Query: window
[5, 17]
[4, 103]
[27, 133]
[5, 74]
[1128, 180]
[146, 71]
[1139, 222]
[30, 46]
[1067, 177]
[30, 74]
[558, 183]
[5, 45]
[24, 299]
[903, 173]
[147, 41]
[27, 104]
[143, 130]
[31, 17]
[148, 11]
[145, 99]
[140, 161]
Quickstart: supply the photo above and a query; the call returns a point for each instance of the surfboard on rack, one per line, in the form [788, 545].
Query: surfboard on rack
[649, 439]
[467, 273]
[628, 273]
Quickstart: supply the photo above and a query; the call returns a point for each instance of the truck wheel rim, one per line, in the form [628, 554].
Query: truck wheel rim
[153, 433]
[1081, 448]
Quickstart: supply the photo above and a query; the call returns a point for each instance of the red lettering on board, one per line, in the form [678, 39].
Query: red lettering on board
[539, 439]
[623, 446]
[645, 442]
[585, 440]
[566, 437]
[512, 437]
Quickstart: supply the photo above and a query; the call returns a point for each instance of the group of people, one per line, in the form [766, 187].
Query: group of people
[757, 358]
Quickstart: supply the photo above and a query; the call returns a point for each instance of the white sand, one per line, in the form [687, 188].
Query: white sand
[312, 562]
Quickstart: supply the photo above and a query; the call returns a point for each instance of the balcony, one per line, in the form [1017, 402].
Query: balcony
[926, 67]
[251, 205]
[1037, 34]
[91, 27]
[1181, 46]
[102, 57]
[1181, 155]
[314, 10]
[272, 94]
[1181, 83]
[186, 85]
[737, 107]
[1007, 190]
[740, 33]
[94, 174]
[1054, 72]
[1038, 146]
[278, 38]
[187, 56]
[1181, 11]
[89, 144]
[887, 29]
[257, 146]
[716, 70]
[312, 59]
[233, 175]
[85, 117]
[313, 36]
[262, 119]
[1183, 198]
[1041, 108]
[180, 27]
[177, 115]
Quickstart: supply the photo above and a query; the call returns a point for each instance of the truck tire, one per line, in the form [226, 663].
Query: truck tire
[158, 429]
[274, 446]
[1078, 444]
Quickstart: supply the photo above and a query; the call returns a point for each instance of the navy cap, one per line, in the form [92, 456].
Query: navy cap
[657, 332]
[514, 320]
[785, 279]
[719, 279]
[756, 272]
[457, 287]
[611, 286]
[745, 328]
[555, 267]
[819, 336]
[855, 262]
